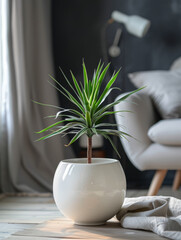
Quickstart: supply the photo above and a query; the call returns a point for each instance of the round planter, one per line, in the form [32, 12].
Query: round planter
[89, 194]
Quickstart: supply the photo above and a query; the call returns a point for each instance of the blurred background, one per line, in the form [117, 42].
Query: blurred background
[38, 37]
[80, 30]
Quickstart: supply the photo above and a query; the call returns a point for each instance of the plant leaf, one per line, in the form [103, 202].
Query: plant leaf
[107, 88]
[68, 95]
[77, 136]
[46, 105]
[98, 84]
[85, 78]
[105, 135]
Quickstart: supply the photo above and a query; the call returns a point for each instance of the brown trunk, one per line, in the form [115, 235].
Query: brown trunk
[89, 149]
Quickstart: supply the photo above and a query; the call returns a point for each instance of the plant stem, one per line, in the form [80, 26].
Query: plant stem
[89, 149]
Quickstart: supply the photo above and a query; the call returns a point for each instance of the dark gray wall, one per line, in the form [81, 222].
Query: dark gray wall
[80, 31]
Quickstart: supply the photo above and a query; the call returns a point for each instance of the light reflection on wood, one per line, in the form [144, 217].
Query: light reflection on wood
[65, 229]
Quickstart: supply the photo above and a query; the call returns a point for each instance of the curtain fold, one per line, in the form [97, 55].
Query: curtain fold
[27, 165]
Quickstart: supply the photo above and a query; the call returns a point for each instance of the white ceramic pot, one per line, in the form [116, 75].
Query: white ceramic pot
[89, 194]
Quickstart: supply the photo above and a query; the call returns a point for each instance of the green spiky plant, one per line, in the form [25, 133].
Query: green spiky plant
[90, 111]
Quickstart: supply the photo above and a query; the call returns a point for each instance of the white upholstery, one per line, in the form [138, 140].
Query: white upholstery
[176, 64]
[167, 132]
[142, 152]
[164, 87]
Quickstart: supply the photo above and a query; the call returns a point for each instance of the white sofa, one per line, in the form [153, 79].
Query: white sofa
[156, 144]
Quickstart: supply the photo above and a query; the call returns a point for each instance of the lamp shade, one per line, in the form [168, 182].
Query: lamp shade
[136, 25]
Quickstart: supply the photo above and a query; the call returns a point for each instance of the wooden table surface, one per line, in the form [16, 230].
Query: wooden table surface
[36, 217]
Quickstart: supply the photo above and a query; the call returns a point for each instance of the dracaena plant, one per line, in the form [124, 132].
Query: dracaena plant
[88, 116]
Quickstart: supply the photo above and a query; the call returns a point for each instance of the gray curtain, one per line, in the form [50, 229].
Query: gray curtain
[26, 61]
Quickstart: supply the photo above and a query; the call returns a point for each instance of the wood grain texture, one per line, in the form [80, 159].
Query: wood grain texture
[22, 211]
[31, 238]
[177, 180]
[35, 217]
[157, 182]
[7, 229]
[27, 216]
[65, 229]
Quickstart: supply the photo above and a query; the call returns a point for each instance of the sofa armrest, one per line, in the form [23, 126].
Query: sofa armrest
[136, 123]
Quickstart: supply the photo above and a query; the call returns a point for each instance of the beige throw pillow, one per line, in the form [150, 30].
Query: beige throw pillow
[164, 87]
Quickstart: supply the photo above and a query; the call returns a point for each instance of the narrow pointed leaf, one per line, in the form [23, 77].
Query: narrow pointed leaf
[90, 111]
[77, 136]
[99, 82]
[85, 78]
[105, 108]
[69, 95]
[69, 83]
[51, 126]
[108, 86]
[46, 105]
[77, 86]
[105, 135]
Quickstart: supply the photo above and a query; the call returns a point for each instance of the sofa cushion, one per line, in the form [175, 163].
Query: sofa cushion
[164, 87]
[176, 64]
[167, 132]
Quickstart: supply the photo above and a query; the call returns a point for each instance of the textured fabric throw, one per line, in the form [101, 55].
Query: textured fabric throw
[159, 214]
